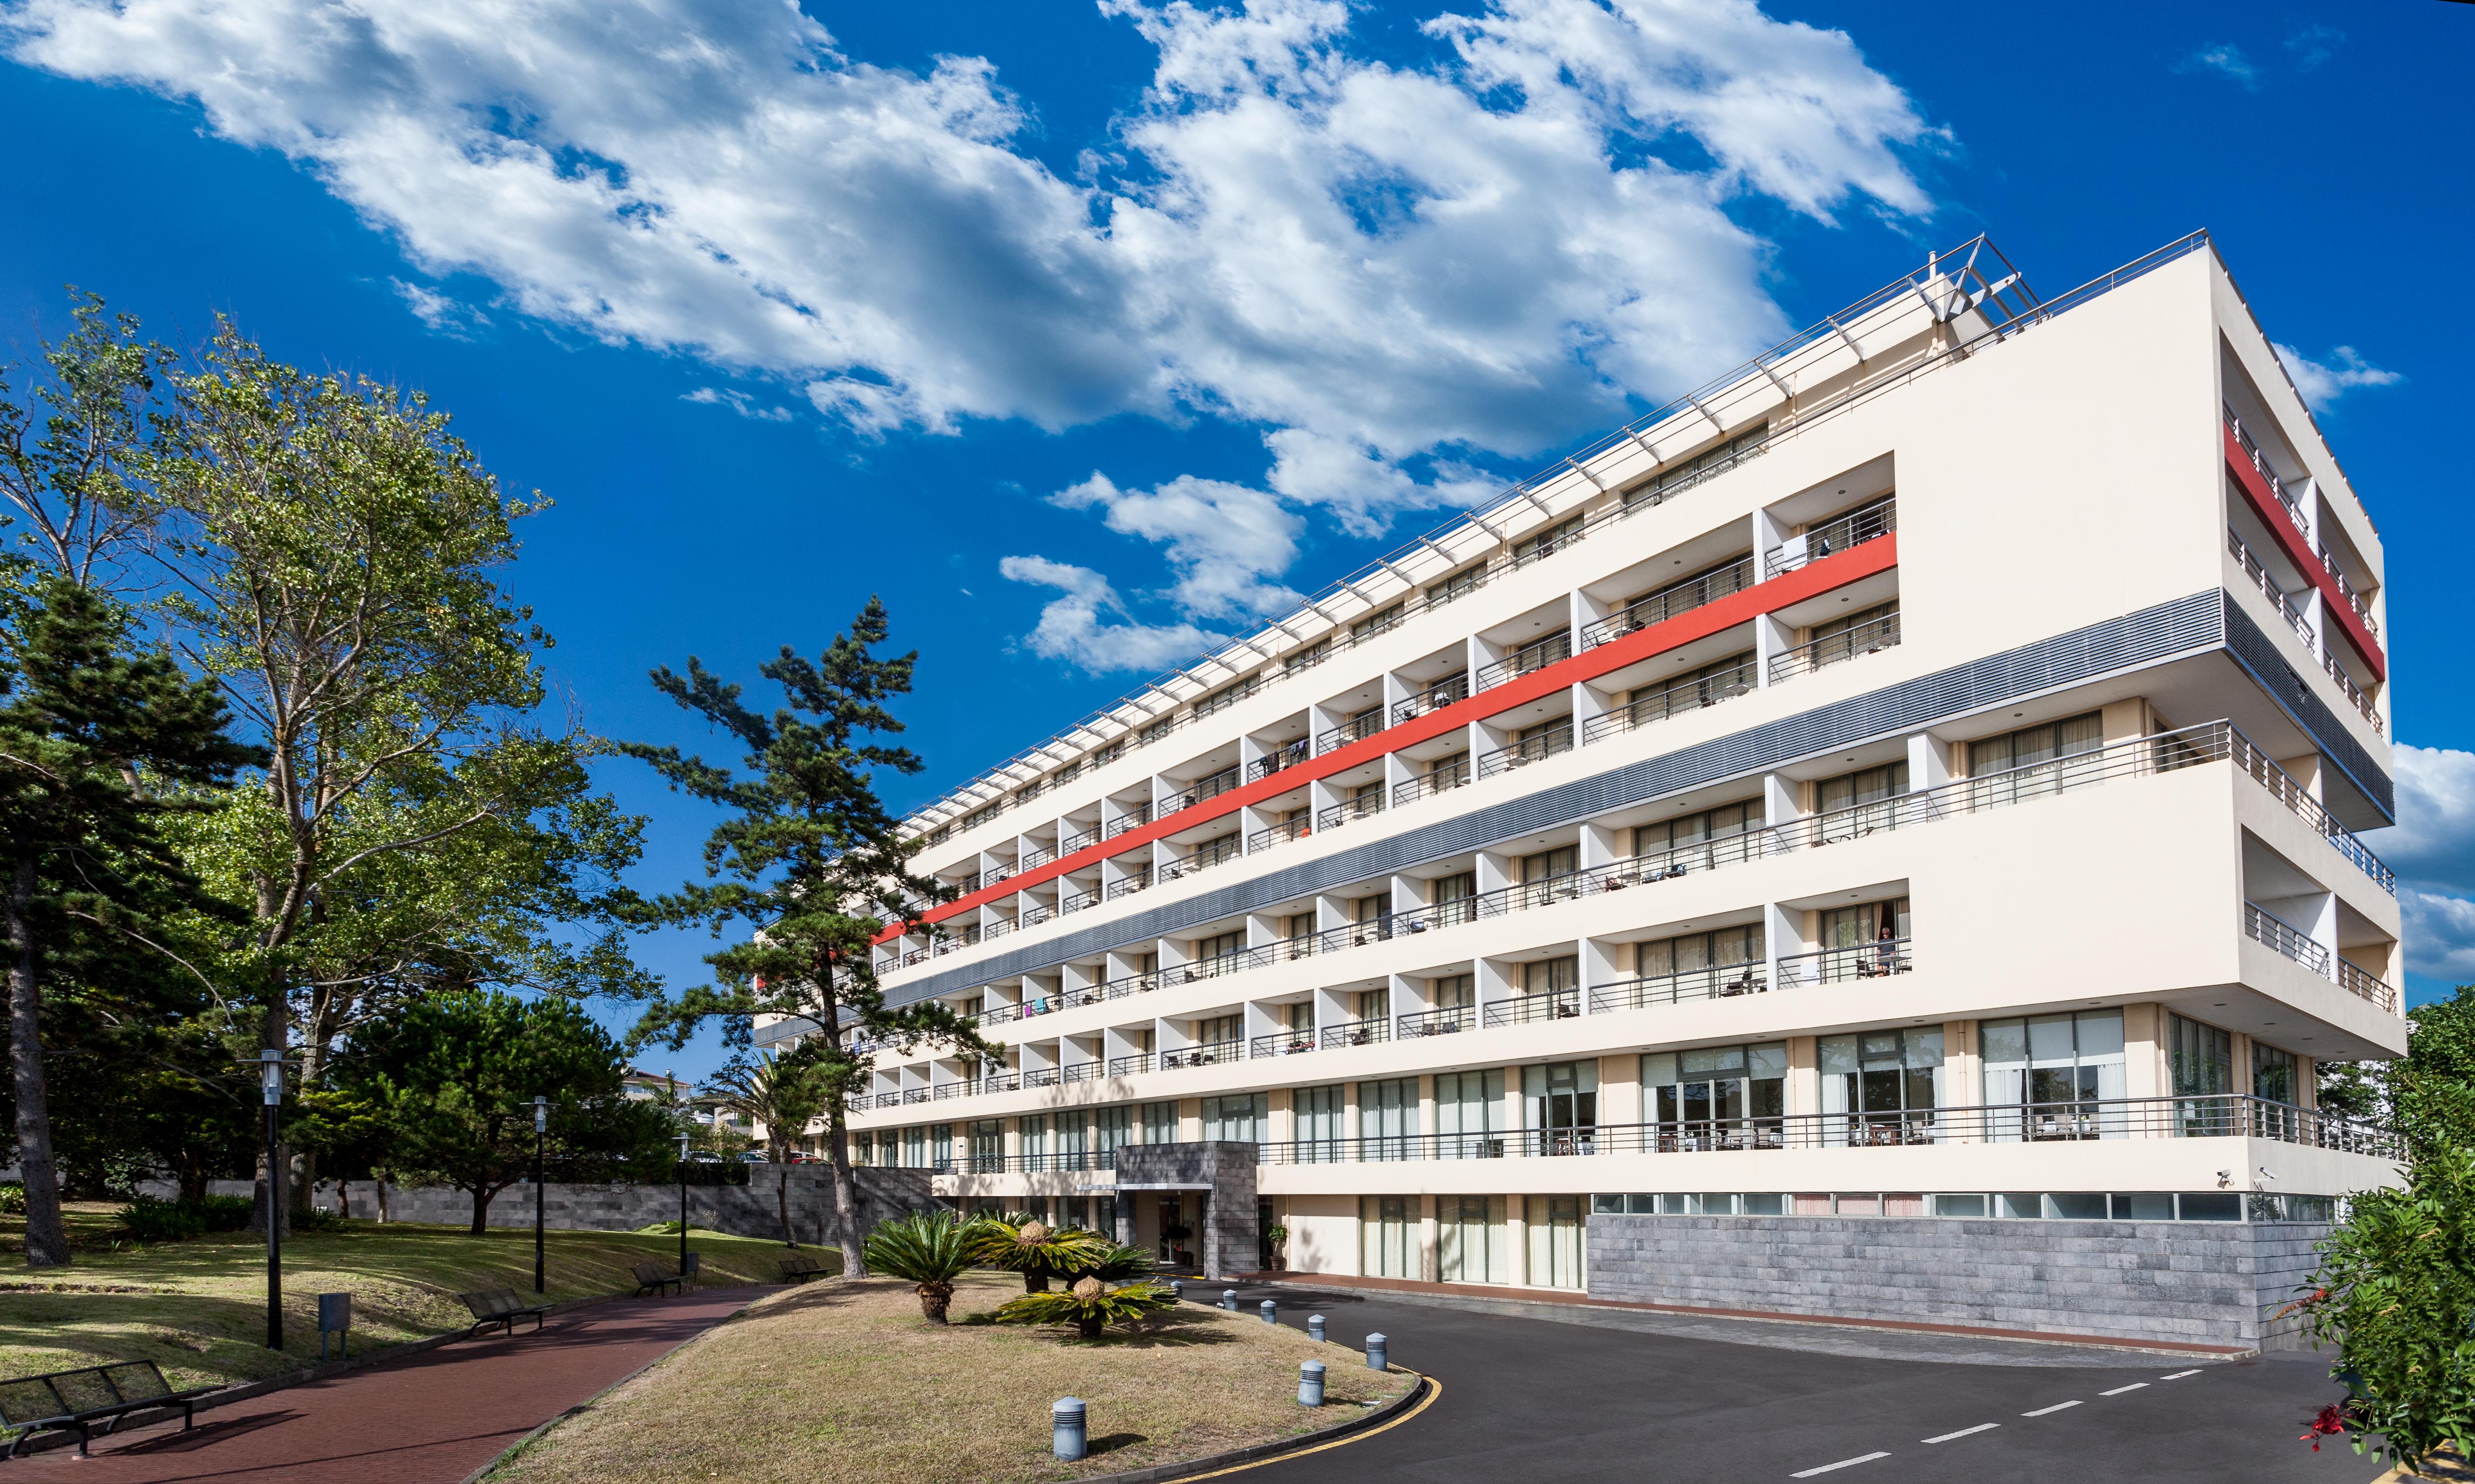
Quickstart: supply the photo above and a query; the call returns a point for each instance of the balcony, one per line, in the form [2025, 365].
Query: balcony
[2223, 1116]
[1685, 696]
[2291, 499]
[1129, 884]
[1208, 1054]
[1530, 749]
[2288, 607]
[1717, 982]
[1434, 780]
[1197, 792]
[1450, 1020]
[1669, 601]
[1354, 1032]
[2265, 928]
[1220, 851]
[1357, 729]
[1341, 814]
[1295, 1042]
[1289, 755]
[1831, 649]
[1282, 833]
[1080, 840]
[1443, 693]
[1877, 960]
[1853, 529]
[1133, 818]
[1076, 901]
[1529, 1008]
[1536, 655]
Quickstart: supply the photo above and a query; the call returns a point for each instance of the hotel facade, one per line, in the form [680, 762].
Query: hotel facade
[1877, 837]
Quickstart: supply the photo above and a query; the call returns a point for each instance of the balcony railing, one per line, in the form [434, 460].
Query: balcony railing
[1853, 529]
[1445, 693]
[2351, 691]
[1669, 601]
[2291, 499]
[1434, 780]
[1078, 840]
[1363, 807]
[1288, 755]
[1357, 729]
[2367, 985]
[1199, 790]
[1720, 980]
[1685, 696]
[1877, 960]
[1208, 1054]
[1536, 655]
[1076, 901]
[1293, 1042]
[1354, 1032]
[2226, 1116]
[1210, 853]
[1865, 638]
[1282, 833]
[1129, 1064]
[2356, 600]
[2288, 791]
[1450, 1020]
[1133, 818]
[1524, 1009]
[2288, 607]
[1530, 749]
[1036, 855]
[2268, 929]
[1129, 884]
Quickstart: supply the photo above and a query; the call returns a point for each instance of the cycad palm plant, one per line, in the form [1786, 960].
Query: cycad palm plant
[1087, 1306]
[783, 1092]
[927, 1249]
[1020, 1243]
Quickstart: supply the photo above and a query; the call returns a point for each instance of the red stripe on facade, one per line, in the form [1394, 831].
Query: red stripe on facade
[2273, 514]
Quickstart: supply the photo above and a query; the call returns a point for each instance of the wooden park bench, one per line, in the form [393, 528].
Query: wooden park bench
[651, 1279]
[802, 1267]
[498, 1308]
[61, 1399]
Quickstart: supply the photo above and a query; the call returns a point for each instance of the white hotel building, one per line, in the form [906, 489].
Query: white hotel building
[1876, 837]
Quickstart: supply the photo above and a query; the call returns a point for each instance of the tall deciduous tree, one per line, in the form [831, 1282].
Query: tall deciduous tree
[89, 738]
[76, 452]
[811, 863]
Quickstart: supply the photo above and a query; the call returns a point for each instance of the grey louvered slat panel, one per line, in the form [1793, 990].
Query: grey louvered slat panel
[2142, 638]
[2258, 653]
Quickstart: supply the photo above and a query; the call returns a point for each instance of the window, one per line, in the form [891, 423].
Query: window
[1318, 1115]
[1160, 1123]
[1073, 1142]
[1554, 1231]
[1888, 1083]
[1222, 700]
[1865, 786]
[1306, 658]
[1375, 623]
[1470, 1235]
[1451, 896]
[1698, 842]
[1112, 1128]
[1220, 1031]
[1470, 1115]
[1720, 960]
[1031, 1130]
[915, 1147]
[2060, 1068]
[2031, 745]
[2201, 1058]
[940, 1144]
[1461, 584]
[1859, 633]
[1562, 861]
[1547, 541]
[1558, 978]
[1864, 923]
[1718, 459]
[2272, 1074]
[1718, 1097]
[1563, 1105]
[1388, 1118]
[1239, 1118]
[1214, 851]
[988, 1145]
[1371, 1008]
[1453, 991]
[1387, 1236]
[1691, 690]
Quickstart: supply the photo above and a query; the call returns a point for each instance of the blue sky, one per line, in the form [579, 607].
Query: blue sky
[1077, 330]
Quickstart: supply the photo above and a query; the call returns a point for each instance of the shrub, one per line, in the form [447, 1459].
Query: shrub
[149, 1220]
[1038, 1251]
[13, 1199]
[316, 1219]
[1087, 1306]
[928, 1248]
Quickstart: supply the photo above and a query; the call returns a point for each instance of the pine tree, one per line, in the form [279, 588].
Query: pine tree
[813, 863]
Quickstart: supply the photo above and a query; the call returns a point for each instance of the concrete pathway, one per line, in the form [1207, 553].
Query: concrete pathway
[427, 1418]
[1530, 1399]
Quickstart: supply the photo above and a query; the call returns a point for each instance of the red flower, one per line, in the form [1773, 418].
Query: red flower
[2331, 1422]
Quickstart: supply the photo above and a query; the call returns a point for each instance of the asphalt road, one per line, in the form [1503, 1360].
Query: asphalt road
[1534, 1399]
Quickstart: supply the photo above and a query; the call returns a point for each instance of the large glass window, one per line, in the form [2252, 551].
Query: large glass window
[1387, 1233]
[2034, 759]
[1451, 896]
[1219, 952]
[1859, 633]
[1388, 1118]
[1887, 1084]
[1559, 979]
[1319, 1124]
[1239, 1118]
[1546, 864]
[915, 1147]
[1718, 1097]
[1031, 1133]
[1697, 842]
[1453, 991]
[940, 1144]
[988, 1145]
[1073, 1142]
[1111, 1128]
[2054, 1070]
[1563, 1106]
[1725, 960]
[1216, 1039]
[2272, 1074]
[1471, 1246]
[1470, 1115]
[1554, 1231]
[1160, 1123]
[1860, 803]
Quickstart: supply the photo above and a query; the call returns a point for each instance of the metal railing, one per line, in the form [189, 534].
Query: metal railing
[1133, 818]
[2351, 691]
[1551, 650]
[2290, 791]
[1131, 1065]
[1445, 693]
[1716, 982]
[2216, 1116]
[1357, 729]
[2365, 984]
[1434, 780]
[1668, 602]
[2264, 926]
[1449, 1020]
[1354, 1032]
[1865, 638]
[1287, 755]
[1363, 807]
[1530, 749]
[1856, 527]
[2346, 589]
[1198, 792]
[1682, 696]
[1877, 960]
[2269, 589]
[1078, 840]
[2287, 498]
[1208, 1054]
[1282, 833]
[1220, 851]
[1293, 1042]
[1524, 1009]
[1076, 901]
[1128, 884]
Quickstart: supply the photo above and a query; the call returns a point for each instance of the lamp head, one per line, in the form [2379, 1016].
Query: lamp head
[541, 1114]
[270, 1075]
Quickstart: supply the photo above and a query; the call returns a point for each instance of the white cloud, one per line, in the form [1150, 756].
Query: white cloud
[2227, 61]
[738, 401]
[446, 316]
[2432, 850]
[2311, 45]
[1381, 268]
[1074, 628]
[1222, 538]
[2324, 383]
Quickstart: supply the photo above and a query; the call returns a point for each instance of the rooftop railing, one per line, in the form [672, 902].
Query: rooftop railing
[1548, 650]
[1667, 602]
[1866, 523]
[1682, 696]
[1530, 749]
[1866, 638]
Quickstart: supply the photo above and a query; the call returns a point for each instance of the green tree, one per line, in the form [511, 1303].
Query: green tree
[453, 1077]
[812, 864]
[2395, 1293]
[75, 450]
[929, 1250]
[781, 1092]
[91, 736]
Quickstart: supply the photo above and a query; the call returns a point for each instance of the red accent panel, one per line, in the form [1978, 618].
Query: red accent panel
[2271, 511]
[1854, 565]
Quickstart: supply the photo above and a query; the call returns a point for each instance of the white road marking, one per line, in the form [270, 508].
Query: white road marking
[2120, 1389]
[2178, 1376]
[2056, 1407]
[1964, 1432]
[1841, 1464]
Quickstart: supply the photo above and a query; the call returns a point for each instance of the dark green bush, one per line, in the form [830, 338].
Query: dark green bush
[149, 1220]
[13, 1199]
[316, 1220]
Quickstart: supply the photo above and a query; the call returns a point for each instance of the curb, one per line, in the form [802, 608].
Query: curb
[251, 1390]
[1261, 1452]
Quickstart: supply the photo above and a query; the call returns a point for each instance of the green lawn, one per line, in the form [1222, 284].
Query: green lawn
[199, 1307]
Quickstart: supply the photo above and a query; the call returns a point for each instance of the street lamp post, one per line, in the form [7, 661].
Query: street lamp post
[684, 1206]
[270, 1075]
[541, 1132]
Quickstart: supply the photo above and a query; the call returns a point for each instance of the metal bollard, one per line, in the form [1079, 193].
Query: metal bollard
[1377, 1346]
[1070, 1438]
[1310, 1383]
[1176, 1291]
[1229, 1299]
[1315, 1328]
[1271, 1312]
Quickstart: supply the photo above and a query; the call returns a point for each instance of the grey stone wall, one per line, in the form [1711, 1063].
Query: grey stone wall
[1227, 1242]
[2193, 1281]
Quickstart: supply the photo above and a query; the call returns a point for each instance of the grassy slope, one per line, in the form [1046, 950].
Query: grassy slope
[199, 1307]
[840, 1383]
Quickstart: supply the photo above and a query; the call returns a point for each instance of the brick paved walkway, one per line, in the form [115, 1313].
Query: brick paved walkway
[427, 1418]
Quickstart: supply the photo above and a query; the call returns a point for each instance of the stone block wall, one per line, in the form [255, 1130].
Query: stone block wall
[2191, 1281]
[1229, 1242]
